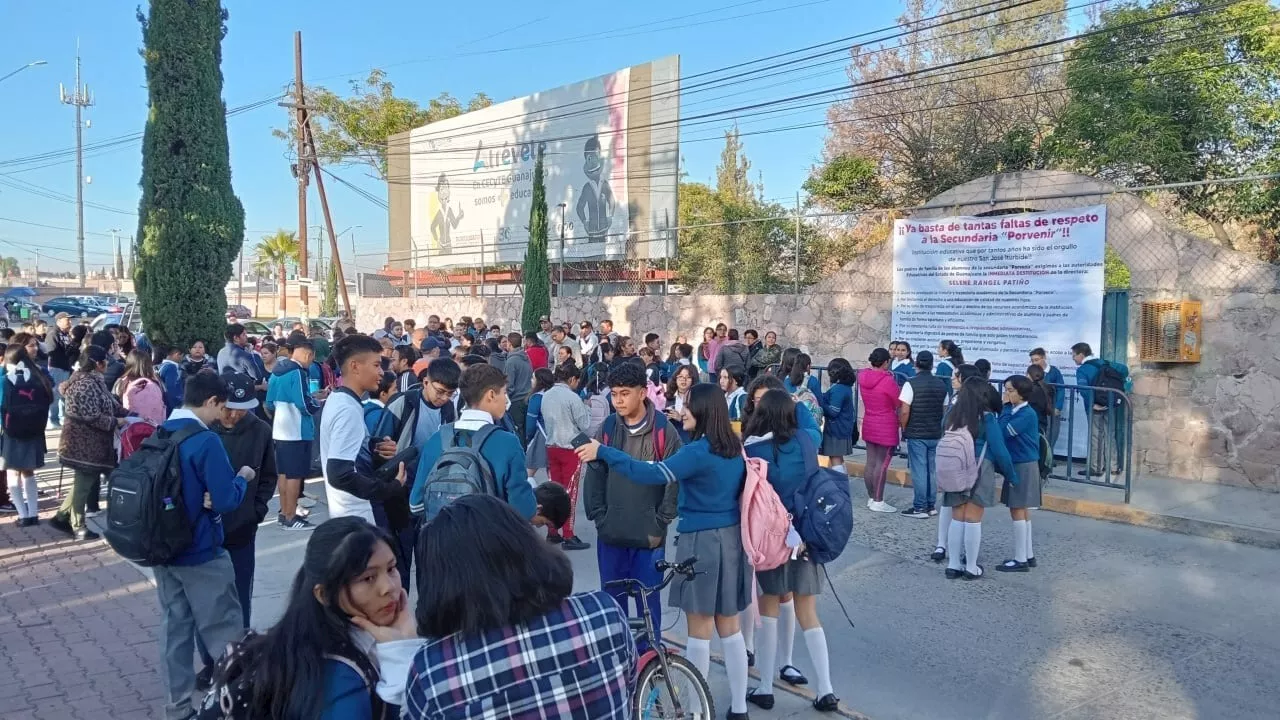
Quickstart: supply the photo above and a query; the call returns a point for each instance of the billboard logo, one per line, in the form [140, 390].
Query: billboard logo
[506, 155]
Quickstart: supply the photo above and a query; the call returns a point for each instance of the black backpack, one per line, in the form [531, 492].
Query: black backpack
[147, 521]
[26, 408]
[1112, 379]
[460, 469]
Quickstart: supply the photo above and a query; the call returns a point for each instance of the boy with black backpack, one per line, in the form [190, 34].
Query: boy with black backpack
[473, 455]
[195, 580]
[1106, 409]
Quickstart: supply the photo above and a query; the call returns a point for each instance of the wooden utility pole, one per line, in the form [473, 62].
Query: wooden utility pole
[301, 170]
[328, 223]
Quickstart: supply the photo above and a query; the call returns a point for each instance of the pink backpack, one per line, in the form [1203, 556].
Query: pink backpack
[146, 398]
[765, 520]
[657, 395]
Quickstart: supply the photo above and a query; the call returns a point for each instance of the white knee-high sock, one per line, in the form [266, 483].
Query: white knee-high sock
[1026, 530]
[735, 665]
[972, 543]
[816, 640]
[32, 494]
[944, 526]
[786, 633]
[955, 542]
[699, 653]
[767, 654]
[1020, 540]
[747, 621]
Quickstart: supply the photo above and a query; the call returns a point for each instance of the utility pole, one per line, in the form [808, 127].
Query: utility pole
[797, 279]
[302, 169]
[560, 282]
[240, 279]
[79, 98]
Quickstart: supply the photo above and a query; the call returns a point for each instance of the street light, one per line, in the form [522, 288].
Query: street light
[24, 67]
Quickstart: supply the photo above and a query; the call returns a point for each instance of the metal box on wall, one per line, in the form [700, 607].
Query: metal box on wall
[1171, 332]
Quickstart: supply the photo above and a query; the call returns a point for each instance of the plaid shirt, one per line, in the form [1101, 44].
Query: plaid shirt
[576, 662]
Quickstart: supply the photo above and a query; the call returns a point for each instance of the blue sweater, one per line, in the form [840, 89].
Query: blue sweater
[786, 467]
[709, 489]
[532, 416]
[1021, 433]
[173, 380]
[346, 695]
[1054, 377]
[837, 406]
[289, 385]
[506, 458]
[205, 469]
[998, 454]
[808, 424]
[810, 382]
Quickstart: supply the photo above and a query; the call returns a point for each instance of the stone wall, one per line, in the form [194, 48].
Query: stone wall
[1213, 421]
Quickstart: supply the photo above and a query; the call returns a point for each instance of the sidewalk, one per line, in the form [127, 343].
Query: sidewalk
[1220, 512]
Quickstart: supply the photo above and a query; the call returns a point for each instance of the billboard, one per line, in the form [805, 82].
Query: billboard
[461, 190]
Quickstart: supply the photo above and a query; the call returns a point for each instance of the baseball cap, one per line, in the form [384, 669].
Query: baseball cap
[241, 394]
[421, 367]
[61, 315]
[430, 343]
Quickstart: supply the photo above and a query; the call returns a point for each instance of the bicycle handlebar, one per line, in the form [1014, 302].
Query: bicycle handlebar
[634, 587]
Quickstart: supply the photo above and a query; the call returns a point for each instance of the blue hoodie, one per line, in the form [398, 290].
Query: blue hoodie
[205, 469]
[290, 403]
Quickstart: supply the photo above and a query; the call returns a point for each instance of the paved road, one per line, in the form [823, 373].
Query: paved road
[1117, 622]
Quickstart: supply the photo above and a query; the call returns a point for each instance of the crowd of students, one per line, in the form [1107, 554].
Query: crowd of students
[642, 440]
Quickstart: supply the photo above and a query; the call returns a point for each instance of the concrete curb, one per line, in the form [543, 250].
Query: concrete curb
[1126, 515]
[801, 691]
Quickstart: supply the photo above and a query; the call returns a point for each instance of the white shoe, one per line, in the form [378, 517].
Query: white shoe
[870, 503]
[305, 501]
[882, 507]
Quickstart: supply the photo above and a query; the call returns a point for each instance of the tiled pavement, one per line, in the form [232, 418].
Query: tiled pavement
[77, 626]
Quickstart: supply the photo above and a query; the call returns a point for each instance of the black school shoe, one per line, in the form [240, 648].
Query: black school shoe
[939, 554]
[793, 677]
[573, 543]
[760, 700]
[827, 703]
[1031, 562]
[1013, 566]
[982, 572]
[731, 715]
[953, 574]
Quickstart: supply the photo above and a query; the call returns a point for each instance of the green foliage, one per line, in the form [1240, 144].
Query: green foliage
[190, 222]
[537, 269]
[355, 129]
[848, 183]
[9, 267]
[1115, 272]
[1187, 98]
[274, 253]
[329, 304]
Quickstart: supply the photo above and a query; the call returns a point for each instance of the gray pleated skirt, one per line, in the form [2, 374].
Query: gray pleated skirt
[982, 494]
[1026, 494]
[799, 576]
[23, 453]
[723, 585]
[833, 446]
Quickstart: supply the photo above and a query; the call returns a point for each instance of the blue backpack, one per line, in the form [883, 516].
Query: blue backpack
[823, 507]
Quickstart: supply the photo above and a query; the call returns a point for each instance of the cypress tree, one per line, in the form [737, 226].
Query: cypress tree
[537, 271]
[329, 305]
[190, 223]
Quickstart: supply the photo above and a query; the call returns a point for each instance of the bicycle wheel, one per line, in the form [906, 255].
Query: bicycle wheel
[657, 695]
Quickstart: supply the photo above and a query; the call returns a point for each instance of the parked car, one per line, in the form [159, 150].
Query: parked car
[72, 307]
[321, 325]
[239, 312]
[257, 329]
[105, 319]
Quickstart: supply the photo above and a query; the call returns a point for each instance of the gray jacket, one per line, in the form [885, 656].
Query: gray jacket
[627, 513]
[564, 415]
[519, 375]
[733, 354]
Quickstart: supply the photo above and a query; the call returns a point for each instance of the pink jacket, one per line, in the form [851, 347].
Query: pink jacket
[713, 349]
[146, 398]
[879, 392]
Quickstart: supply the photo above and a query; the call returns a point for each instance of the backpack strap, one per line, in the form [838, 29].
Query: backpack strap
[606, 430]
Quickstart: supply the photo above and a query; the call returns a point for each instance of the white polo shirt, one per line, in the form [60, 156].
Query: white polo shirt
[342, 436]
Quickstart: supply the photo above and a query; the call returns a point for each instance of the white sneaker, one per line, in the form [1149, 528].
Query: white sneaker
[870, 503]
[882, 507]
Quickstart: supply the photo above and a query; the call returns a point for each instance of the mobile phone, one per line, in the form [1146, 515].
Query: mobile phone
[314, 386]
[580, 440]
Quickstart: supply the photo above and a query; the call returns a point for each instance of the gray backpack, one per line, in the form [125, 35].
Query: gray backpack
[460, 469]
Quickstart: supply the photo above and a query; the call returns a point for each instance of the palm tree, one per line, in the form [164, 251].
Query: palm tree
[275, 252]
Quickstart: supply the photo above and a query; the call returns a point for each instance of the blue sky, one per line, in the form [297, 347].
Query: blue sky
[461, 48]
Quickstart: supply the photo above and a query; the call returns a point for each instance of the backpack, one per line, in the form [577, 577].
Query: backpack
[765, 520]
[132, 436]
[233, 676]
[824, 507]
[957, 468]
[26, 408]
[804, 396]
[1046, 458]
[146, 399]
[657, 395]
[659, 434]
[1111, 378]
[147, 521]
[460, 469]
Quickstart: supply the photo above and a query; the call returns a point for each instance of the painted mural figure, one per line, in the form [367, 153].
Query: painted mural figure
[445, 220]
[595, 202]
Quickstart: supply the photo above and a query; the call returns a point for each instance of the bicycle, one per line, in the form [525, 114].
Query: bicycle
[660, 667]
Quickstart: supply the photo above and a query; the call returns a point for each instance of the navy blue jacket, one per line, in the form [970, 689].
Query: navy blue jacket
[1053, 376]
[837, 406]
[1021, 433]
[205, 469]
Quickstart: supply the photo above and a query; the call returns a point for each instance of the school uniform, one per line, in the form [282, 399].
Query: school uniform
[787, 475]
[842, 418]
[503, 453]
[709, 525]
[903, 370]
[1021, 430]
[983, 492]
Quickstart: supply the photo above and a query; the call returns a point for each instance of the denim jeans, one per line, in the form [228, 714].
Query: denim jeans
[922, 460]
[55, 408]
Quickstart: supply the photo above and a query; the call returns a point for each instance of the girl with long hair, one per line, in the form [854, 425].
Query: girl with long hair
[682, 381]
[24, 406]
[1021, 493]
[842, 416]
[773, 436]
[949, 358]
[880, 427]
[317, 660]
[710, 471]
[140, 390]
[956, 381]
[705, 355]
[971, 414]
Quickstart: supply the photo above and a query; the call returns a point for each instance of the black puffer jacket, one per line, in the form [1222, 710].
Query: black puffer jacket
[248, 443]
